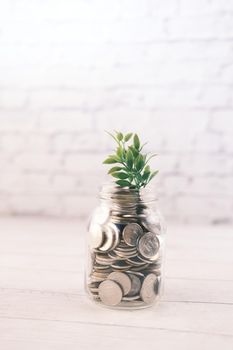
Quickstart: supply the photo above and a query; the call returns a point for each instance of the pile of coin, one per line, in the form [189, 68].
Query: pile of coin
[125, 267]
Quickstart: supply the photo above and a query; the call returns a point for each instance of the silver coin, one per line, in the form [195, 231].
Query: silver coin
[139, 268]
[135, 285]
[111, 234]
[158, 285]
[114, 256]
[135, 261]
[120, 265]
[96, 236]
[148, 293]
[130, 298]
[116, 234]
[127, 255]
[122, 279]
[149, 245]
[103, 259]
[110, 292]
[131, 233]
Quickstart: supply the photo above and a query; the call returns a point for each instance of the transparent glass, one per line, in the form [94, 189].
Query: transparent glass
[125, 249]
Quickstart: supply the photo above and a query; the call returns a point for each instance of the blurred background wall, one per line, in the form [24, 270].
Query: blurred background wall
[71, 69]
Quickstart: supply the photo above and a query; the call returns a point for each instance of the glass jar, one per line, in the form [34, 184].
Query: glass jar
[125, 249]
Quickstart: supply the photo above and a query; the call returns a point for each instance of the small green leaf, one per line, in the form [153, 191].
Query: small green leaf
[128, 136]
[145, 176]
[114, 169]
[134, 151]
[123, 183]
[121, 175]
[146, 173]
[111, 160]
[119, 136]
[129, 158]
[139, 163]
[147, 169]
[136, 142]
[119, 152]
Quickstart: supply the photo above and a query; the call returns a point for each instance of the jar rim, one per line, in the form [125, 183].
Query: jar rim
[110, 190]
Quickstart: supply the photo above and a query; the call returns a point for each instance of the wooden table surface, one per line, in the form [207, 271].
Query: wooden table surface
[43, 305]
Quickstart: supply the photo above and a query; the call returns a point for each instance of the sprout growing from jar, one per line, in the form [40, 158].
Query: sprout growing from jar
[131, 168]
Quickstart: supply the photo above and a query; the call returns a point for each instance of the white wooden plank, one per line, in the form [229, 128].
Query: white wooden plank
[190, 317]
[52, 335]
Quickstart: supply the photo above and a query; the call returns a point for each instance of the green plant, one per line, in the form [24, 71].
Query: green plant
[131, 167]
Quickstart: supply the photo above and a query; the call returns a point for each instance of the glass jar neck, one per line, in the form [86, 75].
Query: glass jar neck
[125, 198]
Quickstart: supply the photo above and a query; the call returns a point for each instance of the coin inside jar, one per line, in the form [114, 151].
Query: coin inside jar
[96, 236]
[131, 233]
[110, 292]
[123, 279]
[148, 245]
[148, 292]
[111, 234]
[135, 285]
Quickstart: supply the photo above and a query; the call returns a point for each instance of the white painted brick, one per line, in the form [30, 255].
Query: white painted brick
[64, 184]
[36, 142]
[211, 186]
[204, 164]
[12, 99]
[65, 120]
[201, 209]
[17, 120]
[12, 142]
[228, 144]
[39, 162]
[204, 7]
[222, 121]
[35, 205]
[215, 96]
[79, 142]
[208, 142]
[79, 206]
[85, 163]
[201, 27]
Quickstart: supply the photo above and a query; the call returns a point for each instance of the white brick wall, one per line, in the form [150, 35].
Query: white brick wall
[71, 69]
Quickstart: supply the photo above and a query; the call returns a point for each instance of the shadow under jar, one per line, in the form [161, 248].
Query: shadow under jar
[125, 249]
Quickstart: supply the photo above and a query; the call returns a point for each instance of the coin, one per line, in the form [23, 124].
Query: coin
[120, 265]
[123, 279]
[114, 256]
[103, 259]
[148, 293]
[116, 234]
[111, 234]
[135, 261]
[129, 298]
[148, 246]
[131, 233]
[110, 292]
[151, 222]
[139, 268]
[96, 236]
[158, 285]
[135, 285]
[126, 255]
